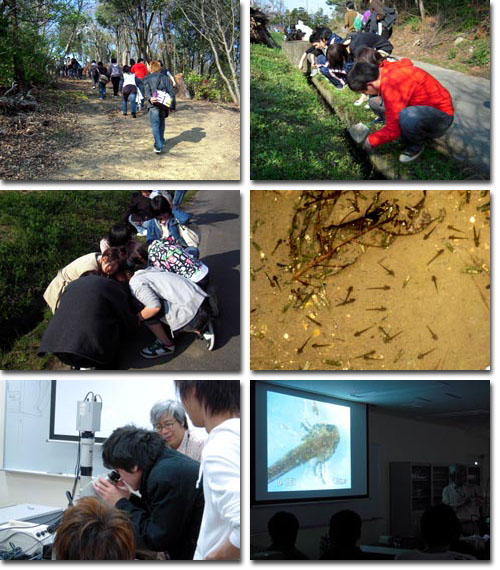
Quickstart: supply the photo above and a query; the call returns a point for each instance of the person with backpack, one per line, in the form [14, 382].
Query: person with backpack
[115, 72]
[350, 17]
[140, 70]
[103, 79]
[129, 91]
[154, 83]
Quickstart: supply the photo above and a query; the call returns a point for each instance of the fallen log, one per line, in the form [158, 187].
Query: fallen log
[12, 105]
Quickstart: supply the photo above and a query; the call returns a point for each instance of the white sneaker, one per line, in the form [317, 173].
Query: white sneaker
[209, 335]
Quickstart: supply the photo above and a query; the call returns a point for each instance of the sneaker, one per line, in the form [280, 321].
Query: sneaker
[93, 87]
[134, 115]
[142, 233]
[157, 150]
[314, 72]
[157, 350]
[361, 100]
[125, 114]
[208, 334]
[409, 155]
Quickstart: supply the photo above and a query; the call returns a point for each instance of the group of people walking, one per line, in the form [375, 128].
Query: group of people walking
[151, 86]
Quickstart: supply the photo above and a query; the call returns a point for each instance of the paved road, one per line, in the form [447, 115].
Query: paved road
[469, 137]
[217, 213]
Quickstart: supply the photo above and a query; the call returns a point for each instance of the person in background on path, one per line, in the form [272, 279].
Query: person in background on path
[154, 82]
[169, 419]
[129, 91]
[103, 78]
[140, 70]
[115, 72]
[349, 17]
[416, 107]
[215, 405]
[94, 73]
[180, 214]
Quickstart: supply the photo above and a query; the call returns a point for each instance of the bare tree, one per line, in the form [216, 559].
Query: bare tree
[218, 22]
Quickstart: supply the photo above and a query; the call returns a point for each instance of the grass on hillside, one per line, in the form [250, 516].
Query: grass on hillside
[41, 232]
[293, 137]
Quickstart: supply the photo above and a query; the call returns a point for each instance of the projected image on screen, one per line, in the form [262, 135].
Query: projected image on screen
[309, 444]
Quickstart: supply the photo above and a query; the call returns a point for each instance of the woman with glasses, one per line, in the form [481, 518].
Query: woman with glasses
[170, 421]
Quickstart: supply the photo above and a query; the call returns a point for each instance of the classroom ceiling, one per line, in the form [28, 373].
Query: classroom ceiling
[463, 403]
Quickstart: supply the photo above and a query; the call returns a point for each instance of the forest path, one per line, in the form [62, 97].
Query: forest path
[203, 141]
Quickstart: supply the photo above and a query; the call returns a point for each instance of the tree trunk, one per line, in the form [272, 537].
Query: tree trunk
[421, 8]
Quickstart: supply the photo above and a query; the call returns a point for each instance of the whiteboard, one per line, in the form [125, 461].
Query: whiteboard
[27, 446]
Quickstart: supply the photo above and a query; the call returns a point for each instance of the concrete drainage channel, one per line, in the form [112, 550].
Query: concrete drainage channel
[473, 153]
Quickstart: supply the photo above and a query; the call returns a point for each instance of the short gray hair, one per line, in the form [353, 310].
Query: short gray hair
[170, 407]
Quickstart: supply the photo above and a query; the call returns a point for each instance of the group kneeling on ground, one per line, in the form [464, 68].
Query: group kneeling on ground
[102, 298]
[413, 104]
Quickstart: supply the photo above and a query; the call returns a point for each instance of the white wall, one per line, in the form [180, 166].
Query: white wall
[16, 488]
[392, 438]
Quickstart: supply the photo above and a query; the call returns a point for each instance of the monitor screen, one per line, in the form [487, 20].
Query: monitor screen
[306, 446]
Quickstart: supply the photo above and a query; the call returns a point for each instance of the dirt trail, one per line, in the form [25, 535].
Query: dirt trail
[431, 312]
[203, 142]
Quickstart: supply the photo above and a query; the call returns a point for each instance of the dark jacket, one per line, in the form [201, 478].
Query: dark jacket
[139, 208]
[167, 517]
[155, 81]
[93, 318]
[371, 40]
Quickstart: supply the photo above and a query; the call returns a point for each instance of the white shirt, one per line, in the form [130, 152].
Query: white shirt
[462, 499]
[220, 467]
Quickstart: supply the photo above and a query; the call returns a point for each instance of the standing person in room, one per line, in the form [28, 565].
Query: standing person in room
[170, 421]
[463, 497]
[167, 515]
[416, 107]
[215, 405]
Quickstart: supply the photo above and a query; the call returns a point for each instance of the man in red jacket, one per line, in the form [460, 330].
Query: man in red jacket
[415, 105]
[140, 70]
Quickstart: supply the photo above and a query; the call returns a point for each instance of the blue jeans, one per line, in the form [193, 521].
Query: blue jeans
[102, 90]
[421, 123]
[157, 122]
[132, 97]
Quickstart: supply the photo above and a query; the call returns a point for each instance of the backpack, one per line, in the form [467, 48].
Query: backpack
[358, 22]
[166, 255]
[103, 78]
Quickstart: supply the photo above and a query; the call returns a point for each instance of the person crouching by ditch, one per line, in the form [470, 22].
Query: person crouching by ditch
[168, 298]
[415, 105]
[154, 82]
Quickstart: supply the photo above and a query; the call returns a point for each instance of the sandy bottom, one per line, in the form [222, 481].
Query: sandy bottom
[417, 313]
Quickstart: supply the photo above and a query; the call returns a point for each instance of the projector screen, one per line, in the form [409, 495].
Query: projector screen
[306, 446]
